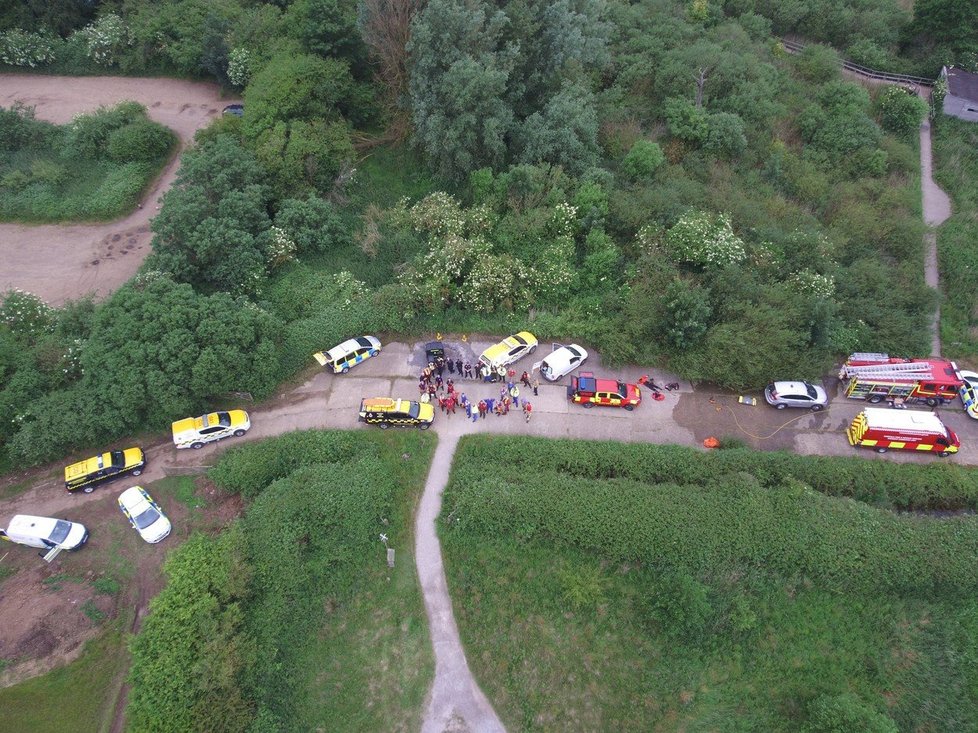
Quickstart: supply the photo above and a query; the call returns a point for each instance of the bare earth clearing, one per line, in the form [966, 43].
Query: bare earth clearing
[66, 262]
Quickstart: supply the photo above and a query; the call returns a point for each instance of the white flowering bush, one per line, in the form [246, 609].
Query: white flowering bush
[281, 248]
[239, 66]
[26, 315]
[348, 291]
[26, 48]
[705, 240]
[497, 282]
[812, 283]
[70, 362]
[104, 38]
[144, 278]
[564, 220]
[439, 214]
[554, 273]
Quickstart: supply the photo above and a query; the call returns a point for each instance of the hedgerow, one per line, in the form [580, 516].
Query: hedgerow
[935, 486]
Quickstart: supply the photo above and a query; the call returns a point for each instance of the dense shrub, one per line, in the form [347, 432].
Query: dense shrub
[141, 141]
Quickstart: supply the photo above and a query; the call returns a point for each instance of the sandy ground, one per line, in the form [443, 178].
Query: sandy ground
[65, 262]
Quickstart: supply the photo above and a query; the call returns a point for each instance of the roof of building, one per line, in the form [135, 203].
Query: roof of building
[962, 84]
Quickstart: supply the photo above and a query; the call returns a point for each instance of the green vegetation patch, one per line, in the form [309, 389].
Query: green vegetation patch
[292, 617]
[95, 167]
[742, 601]
[84, 692]
[956, 170]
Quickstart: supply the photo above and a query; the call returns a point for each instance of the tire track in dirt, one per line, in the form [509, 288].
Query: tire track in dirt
[65, 262]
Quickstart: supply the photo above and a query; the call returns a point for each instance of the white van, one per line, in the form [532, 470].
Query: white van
[45, 532]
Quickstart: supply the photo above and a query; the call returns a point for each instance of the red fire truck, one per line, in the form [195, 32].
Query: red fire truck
[878, 377]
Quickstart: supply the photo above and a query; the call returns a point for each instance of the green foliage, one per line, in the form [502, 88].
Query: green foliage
[313, 224]
[213, 229]
[688, 313]
[106, 586]
[726, 136]
[683, 616]
[190, 655]
[686, 121]
[818, 64]
[643, 159]
[900, 112]
[92, 612]
[93, 168]
[161, 351]
[141, 141]
[846, 713]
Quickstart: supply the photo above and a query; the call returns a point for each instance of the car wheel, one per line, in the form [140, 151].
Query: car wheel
[818, 408]
[424, 426]
[344, 370]
[196, 446]
[374, 352]
[629, 407]
[881, 450]
[532, 349]
[238, 433]
[931, 402]
[384, 426]
[944, 454]
[88, 489]
[589, 405]
[781, 405]
[875, 399]
[137, 471]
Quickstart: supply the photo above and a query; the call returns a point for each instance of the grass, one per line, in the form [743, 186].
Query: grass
[84, 691]
[956, 170]
[564, 635]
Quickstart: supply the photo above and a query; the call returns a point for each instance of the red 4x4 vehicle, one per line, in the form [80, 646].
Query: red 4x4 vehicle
[588, 391]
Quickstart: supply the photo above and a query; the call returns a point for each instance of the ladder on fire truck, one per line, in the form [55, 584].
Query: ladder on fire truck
[886, 371]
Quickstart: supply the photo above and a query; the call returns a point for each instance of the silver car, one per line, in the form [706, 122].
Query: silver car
[796, 394]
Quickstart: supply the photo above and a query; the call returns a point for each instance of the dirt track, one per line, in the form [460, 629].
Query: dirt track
[63, 262]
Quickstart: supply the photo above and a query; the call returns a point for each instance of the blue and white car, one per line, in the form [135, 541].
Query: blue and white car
[969, 392]
[144, 514]
[348, 354]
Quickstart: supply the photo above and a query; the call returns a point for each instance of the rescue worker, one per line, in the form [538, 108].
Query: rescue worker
[527, 410]
[525, 379]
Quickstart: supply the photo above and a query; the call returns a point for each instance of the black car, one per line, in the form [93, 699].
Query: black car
[234, 109]
[434, 353]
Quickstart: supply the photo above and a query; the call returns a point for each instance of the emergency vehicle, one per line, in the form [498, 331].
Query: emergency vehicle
[589, 391]
[508, 350]
[385, 411]
[883, 429]
[194, 432]
[46, 533]
[878, 377]
[348, 354]
[104, 467]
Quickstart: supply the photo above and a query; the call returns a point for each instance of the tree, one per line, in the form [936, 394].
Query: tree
[313, 224]
[564, 132]
[900, 112]
[459, 75]
[294, 87]
[643, 159]
[213, 227]
[726, 136]
[688, 313]
[326, 28]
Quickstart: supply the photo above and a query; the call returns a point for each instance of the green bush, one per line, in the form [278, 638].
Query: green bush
[140, 141]
[643, 159]
[846, 713]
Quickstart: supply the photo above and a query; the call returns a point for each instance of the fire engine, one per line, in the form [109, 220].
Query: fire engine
[878, 377]
[589, 391]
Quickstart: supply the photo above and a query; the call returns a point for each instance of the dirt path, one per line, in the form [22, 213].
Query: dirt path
[937, 210]
[455, 701]
[63, 262]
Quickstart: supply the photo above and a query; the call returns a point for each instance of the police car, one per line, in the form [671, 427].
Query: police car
[348, 354]
[387, 411]
[194, 432]
[589, 391]
[509, 350]
[104, 467]
[144, 514]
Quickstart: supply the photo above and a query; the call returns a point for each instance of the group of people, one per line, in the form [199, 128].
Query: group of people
[434, 386]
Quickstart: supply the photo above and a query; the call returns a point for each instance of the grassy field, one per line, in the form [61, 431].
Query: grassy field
[740, 603]
[956, 170]
[79, 696]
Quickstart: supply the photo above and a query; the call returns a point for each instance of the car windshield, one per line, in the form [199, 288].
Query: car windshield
[224, 419]
[364, 343]
[60, 532]
[519, 340]
[118, 458]
[574, 351]
[146, 518]
[414, 410]
[621, 389]
[811, 390]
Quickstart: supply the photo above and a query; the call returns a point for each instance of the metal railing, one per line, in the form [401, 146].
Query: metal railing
[795, 47]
